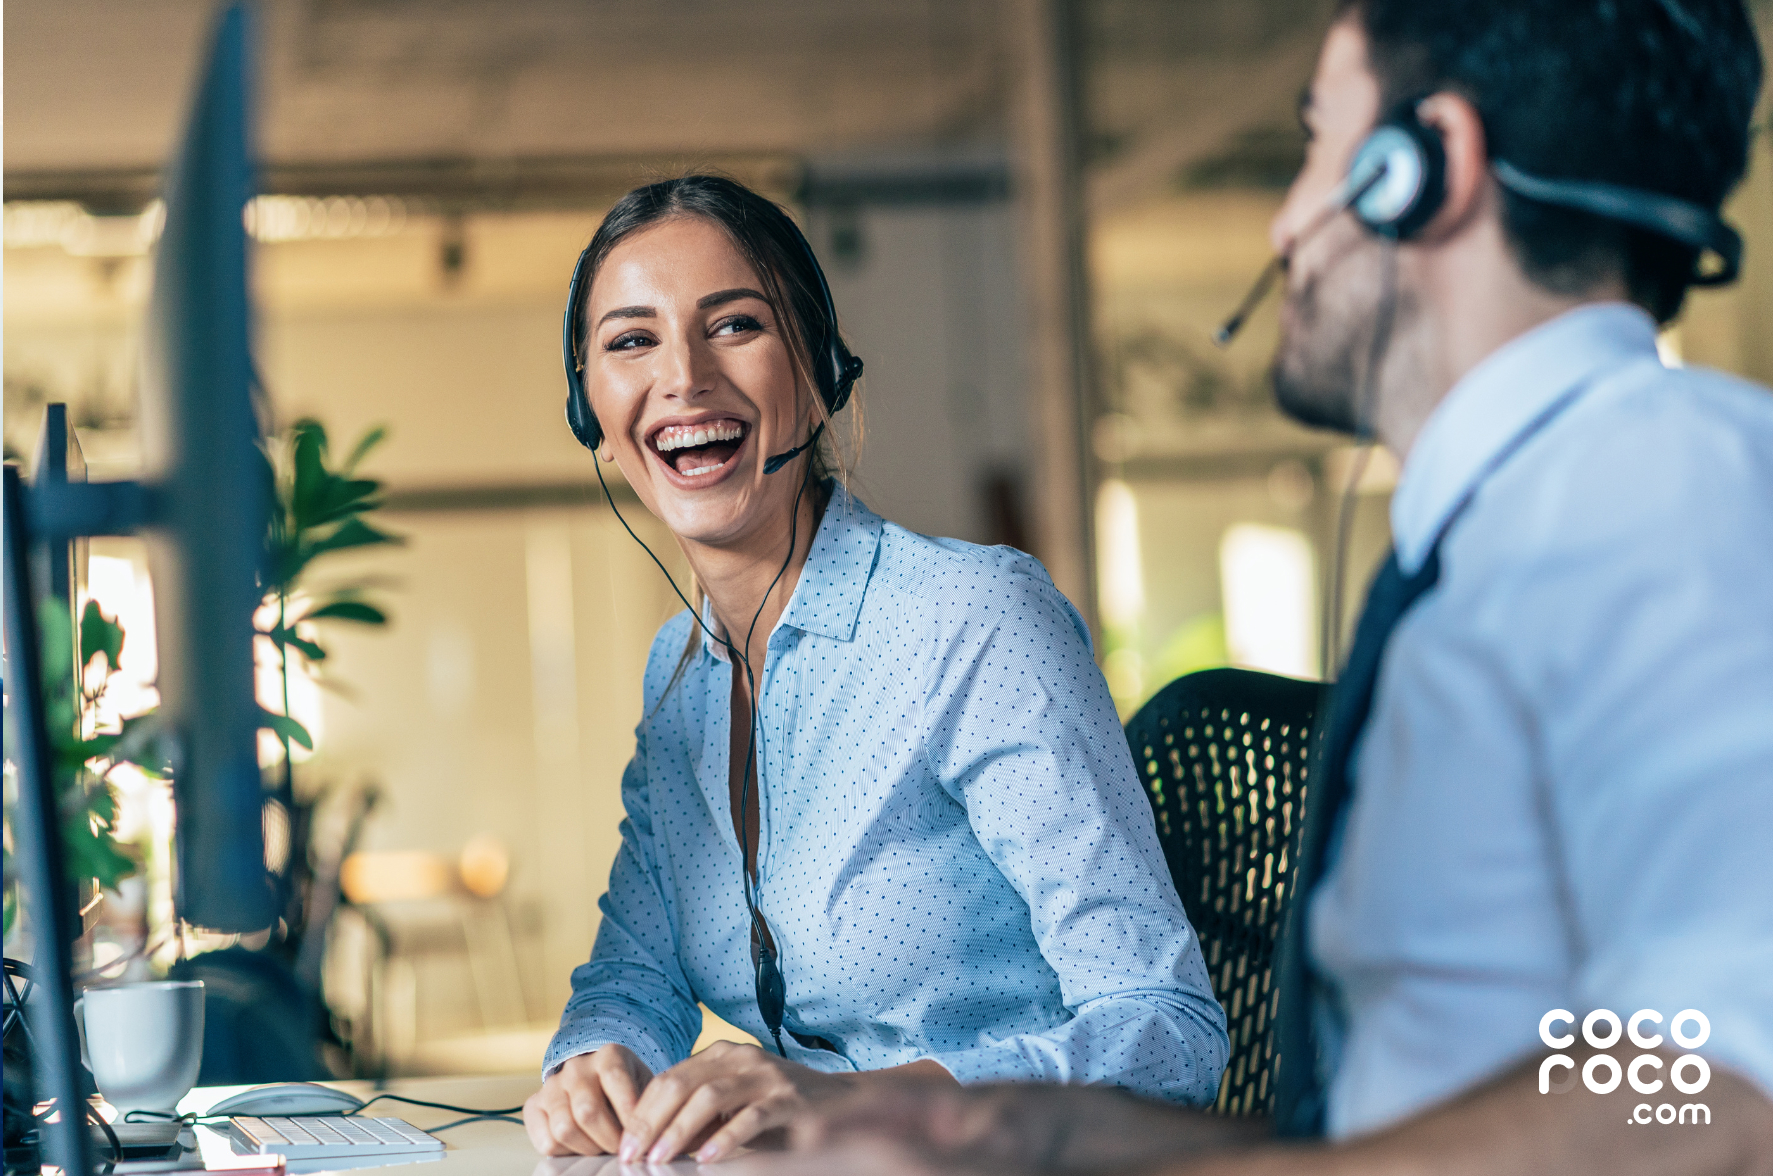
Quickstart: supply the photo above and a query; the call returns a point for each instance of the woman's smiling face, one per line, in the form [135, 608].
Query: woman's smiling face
[694, 383]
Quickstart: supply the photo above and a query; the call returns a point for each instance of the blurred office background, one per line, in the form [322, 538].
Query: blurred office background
[1033, 213]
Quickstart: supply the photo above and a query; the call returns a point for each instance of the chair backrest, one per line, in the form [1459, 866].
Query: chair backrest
[1224, 755]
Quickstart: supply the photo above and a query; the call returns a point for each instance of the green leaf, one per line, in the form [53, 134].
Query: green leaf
[87, 808]
[308, 452]
[364, 444]
[144, 741]
[284, 635]
[349, 610]
[356, 586]
[312, 650]
[340, 498]
[59, 712]
[287, 562]
[286, 728]
[101, 806]
[99, 746]
[99, 634]
[56, 628]
[307, 428]
[88, 818]
[352, 533]
[93, 853]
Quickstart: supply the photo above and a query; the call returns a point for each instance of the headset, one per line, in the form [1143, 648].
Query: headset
[1397, 181]
[1413, 186]
[835, 371]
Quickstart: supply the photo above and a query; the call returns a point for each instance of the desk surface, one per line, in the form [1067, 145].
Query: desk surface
[474, 1149]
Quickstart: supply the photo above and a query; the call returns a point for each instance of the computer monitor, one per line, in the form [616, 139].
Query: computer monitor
[207, 524]
[203, 508]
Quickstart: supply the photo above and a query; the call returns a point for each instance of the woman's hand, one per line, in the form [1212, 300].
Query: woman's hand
[582, 1109]
[721, 1099]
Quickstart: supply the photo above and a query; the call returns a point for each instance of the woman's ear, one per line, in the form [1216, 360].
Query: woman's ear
[1461, 130]
[604, 452]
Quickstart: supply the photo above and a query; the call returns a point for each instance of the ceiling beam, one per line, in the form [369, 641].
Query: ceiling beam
[447, 184]
[1266, 94]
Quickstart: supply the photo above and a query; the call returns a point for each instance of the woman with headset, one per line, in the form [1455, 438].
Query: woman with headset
[880, 813]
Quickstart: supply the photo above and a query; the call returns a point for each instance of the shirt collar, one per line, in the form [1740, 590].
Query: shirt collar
[828, 597]
[1488, 410]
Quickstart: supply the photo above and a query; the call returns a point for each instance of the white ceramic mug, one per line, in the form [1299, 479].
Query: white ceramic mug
[142, 1042]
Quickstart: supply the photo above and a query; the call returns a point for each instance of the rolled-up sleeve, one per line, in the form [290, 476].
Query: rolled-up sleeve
[1020, 729]
[633, 991]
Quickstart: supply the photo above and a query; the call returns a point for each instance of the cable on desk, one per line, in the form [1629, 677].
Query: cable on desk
[474, 1119]
[98, 1120]
[472, 1115]
[476, 1112]
[188, 1119]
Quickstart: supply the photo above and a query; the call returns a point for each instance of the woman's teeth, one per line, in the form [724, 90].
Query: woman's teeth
[690, 436]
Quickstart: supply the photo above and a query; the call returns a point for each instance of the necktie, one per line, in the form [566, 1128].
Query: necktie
[1299, 1089]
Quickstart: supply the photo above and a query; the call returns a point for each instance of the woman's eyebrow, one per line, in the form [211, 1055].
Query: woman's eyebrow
[622, 312]
[718, 298]
[724, 296]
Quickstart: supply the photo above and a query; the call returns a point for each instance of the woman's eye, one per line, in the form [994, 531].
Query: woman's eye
[737, 324]
[628, 341]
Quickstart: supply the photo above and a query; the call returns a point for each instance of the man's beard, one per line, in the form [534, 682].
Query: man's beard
[1323, 369]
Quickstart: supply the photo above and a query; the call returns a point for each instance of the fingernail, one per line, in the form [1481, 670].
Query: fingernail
[707, 1154]
[659, 1154]
[630, 1149]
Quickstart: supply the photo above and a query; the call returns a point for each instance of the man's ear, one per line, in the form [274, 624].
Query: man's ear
[1461, 129]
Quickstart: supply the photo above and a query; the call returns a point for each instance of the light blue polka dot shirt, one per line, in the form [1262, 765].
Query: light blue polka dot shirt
[956, 860]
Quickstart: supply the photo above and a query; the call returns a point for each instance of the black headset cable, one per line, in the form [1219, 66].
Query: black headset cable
[767, 966]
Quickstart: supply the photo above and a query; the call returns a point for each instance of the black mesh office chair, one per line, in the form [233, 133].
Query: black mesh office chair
[1223, 755]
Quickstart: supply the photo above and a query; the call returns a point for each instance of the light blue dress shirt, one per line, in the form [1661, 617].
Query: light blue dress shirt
[956, 860]
[1564, 795]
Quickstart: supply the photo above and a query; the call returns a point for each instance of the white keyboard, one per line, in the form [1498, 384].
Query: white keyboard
[328, 1137]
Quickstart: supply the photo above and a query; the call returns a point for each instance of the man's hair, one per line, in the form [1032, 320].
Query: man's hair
[1651, 94]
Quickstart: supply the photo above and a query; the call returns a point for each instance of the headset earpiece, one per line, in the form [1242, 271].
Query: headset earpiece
[849, 370]
[837, 373]
[579, 417]
[1414, 184]
[582, 421]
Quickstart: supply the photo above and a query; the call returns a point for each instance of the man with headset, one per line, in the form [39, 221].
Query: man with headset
[1536, 927]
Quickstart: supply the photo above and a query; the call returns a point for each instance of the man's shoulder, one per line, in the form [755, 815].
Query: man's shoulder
[1648, 503]
[1655, 449]
[1685, 408]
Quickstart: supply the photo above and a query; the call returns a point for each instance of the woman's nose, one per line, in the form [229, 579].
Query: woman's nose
[689, 368]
